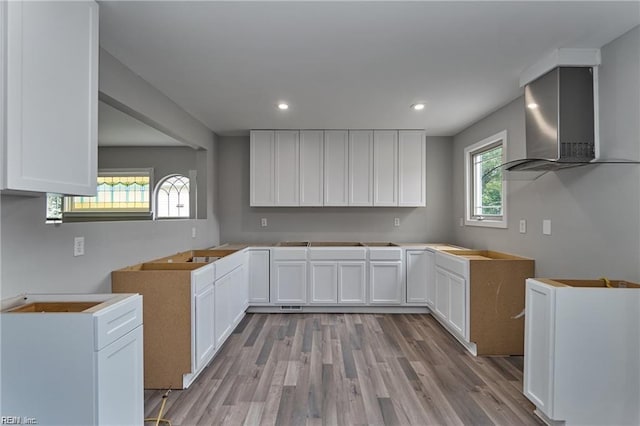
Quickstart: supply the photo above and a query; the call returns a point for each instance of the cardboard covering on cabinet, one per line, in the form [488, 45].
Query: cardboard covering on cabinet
[497, 295]
[166, 297]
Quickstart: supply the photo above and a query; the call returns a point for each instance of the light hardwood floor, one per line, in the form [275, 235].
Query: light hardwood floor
[348, 369]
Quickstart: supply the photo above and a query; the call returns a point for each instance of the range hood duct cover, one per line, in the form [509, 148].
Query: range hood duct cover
[559, 120]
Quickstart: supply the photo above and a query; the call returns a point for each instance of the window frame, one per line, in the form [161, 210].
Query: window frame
[191, 178]
[486, 144]
[93, 216]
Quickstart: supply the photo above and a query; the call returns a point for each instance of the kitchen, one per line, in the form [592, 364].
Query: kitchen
[594, 210]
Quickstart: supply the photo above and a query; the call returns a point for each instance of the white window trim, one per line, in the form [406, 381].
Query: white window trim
[469, 220]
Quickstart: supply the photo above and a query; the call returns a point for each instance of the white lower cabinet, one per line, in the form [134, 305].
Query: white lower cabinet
[323, 282]
[333, 282]
[420, 277]
[204, 327]
[385, 283]
[74, 368]
[582, 348]
[289, 282]
[258, 274]
[119, 371]
[451, 300]
[352, 283]
[442, 293]
[231, 297]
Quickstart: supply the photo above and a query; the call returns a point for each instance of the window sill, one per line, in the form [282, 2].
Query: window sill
[486, 223]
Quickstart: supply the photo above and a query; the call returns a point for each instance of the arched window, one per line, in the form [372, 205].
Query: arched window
[172, 197]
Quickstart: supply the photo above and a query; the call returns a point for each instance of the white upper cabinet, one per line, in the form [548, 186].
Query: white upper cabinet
[361, 168]
[385, 168]
[287, 167]
[412, 159]
[49, 79]
[263, 163]
[336, 168]
[311, 167]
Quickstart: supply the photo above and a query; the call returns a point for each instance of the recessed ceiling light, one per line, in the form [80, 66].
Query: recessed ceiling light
[532, 105]
[417, 107]
[283, 106]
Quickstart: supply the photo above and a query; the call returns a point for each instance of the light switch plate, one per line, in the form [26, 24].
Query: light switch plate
[193, 232]
[78, 246]
[523, 226]
[396, 221]
[263, 222]
[546, 226]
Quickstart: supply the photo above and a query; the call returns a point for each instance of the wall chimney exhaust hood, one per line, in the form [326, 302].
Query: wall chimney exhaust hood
[559, 120]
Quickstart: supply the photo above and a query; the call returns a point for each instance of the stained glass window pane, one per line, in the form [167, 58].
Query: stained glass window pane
[128, 194]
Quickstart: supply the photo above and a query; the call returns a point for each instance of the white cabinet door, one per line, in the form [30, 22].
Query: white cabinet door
[385, 168]
[431, 279]
[442, 293]
[120, 372]
[458, 304]
[204, 327]
[412, 160]
[352, 282]
[223, 292]
[239, 295]
[289, 282]
[287, 168]
[311, 167]
[336, 168]
[258, 276]
[419, 272]
[323, 282]
[262, 168]
[361, 168]
[385, 282]
[51, 71]
[539, 326]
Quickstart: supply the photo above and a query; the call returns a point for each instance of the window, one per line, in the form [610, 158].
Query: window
[485, 189]
[172, 197]
[121, 194]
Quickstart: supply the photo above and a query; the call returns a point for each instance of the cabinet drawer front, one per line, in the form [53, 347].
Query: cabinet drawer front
[385, 254]
[117, 320]
[337, 254]
[228, 264]
[290, 254]
[202, 277]
[451, 263]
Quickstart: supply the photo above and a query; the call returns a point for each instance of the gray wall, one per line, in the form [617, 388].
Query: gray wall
[240, 223]
[595, 210]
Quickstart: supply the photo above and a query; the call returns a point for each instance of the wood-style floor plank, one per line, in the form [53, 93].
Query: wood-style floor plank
[348, 369]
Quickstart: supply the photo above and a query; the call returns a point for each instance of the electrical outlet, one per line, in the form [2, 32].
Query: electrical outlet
[396, 221]
[461, 221]
[263, 222]
[546, 226]
[78, 246]
[193, 232]
[523, 226]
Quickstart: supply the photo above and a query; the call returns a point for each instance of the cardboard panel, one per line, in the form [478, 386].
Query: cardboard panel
[497, 294]
[166, 301]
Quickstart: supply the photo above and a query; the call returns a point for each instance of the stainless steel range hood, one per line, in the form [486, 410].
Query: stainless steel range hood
[559, 119]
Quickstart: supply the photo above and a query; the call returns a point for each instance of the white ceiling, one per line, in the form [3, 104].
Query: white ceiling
[115, 128]
[348, 64]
